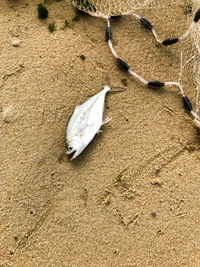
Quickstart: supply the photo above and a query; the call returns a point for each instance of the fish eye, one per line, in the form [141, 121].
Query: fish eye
[69, 148]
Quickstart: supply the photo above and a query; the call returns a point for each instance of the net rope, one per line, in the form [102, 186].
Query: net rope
[196, 41]
[108, 8]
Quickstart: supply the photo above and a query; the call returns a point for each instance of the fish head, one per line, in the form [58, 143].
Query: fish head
[74, 145]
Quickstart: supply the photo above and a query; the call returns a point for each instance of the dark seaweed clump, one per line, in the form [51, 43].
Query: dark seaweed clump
[42, 12]
[124, 82]
[52, 27]
[82, 57]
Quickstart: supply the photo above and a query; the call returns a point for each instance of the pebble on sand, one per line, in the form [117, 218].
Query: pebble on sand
[9, 114]
[16, 43]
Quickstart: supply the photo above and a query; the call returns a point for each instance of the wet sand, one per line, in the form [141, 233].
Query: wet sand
[132, 197]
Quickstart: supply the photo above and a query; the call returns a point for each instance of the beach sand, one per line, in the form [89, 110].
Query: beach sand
[132, 197]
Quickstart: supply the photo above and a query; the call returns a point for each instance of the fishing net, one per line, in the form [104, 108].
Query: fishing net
[109, 7]
[196, 41]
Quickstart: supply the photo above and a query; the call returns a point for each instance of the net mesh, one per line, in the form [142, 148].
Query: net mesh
[109, 7]
[196, 41]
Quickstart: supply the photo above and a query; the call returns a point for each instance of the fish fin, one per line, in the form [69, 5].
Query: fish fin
[78, 152]
[105, 120]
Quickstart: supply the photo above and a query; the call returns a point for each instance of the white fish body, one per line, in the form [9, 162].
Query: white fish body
[85, 123]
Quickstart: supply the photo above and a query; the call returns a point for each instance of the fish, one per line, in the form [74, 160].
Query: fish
[85, 123]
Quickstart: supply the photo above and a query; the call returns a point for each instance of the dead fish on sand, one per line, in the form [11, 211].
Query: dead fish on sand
[85, 123]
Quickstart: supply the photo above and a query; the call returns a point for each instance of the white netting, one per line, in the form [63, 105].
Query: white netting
[110, 7]
[196, 40]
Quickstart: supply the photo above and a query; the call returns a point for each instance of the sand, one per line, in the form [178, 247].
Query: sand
[132, 197]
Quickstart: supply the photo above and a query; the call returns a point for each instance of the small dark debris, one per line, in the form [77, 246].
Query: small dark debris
[124, 82]
[16, 238]
[66, 24]
[160, 231]
[42, 12]
[52, 27]
[188, 9]
[82, 57]
[31, 212]
[120, 177]
[157, 171]
[11, 253]
[52, 174]
[76, 18]
[126, 120]
[153, 214]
